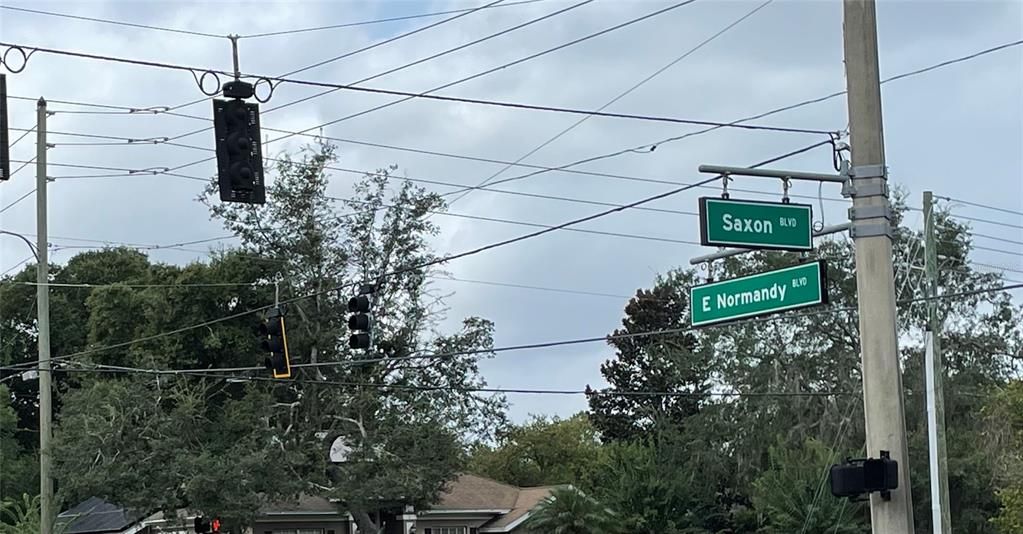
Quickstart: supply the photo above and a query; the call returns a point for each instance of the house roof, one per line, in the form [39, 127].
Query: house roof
[466, 493]
[471, 492]
[94, 515]
[528, 498]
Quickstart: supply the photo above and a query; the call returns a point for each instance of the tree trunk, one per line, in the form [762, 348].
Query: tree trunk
[365, 522]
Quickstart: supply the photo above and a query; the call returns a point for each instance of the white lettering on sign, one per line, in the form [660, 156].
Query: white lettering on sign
[775, 292]
[757, 226]
[706, 303]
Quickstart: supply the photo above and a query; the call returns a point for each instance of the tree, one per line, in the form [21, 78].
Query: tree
[407, 416]
[543, 452]
[18, 464]
[794, 497]
[569, 511]
[812, 360]
[669, 363]
[1004, 415]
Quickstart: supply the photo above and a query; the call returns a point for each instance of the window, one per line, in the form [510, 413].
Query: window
[299, 531]
[447, 530]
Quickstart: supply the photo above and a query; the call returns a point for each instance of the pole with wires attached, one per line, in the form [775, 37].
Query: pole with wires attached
[891, 512]
[47, 512]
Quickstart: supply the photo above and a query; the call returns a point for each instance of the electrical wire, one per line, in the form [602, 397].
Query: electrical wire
[427, 95]
[444, 259]
[16, 265]
[114, 22]
[383, 20]
[141, 142]
[530, 224]
[434, 56]
[465, 192]
[24, 135]
[512, 348]
[986, 221]
[979, 205]
[358, 51]
[395, 69]
[22, 197]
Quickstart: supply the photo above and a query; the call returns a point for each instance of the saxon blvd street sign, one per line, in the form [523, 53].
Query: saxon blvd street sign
[754, 224]
[759, 294]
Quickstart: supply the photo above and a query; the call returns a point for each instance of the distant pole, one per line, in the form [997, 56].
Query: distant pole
[47, 512]
[883, 405]
[935, 375]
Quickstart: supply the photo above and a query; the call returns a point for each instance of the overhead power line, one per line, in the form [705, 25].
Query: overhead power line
[114, 22]
[101, 368]
[425, 95]
[366, 48]
[394, 69]
[465, 192]
[530, 346]
[986, 221]
[447, 258]
[979, 205]
[385, 20]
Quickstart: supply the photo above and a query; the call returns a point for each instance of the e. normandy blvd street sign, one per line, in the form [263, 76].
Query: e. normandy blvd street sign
[755, 224]
[759, 294]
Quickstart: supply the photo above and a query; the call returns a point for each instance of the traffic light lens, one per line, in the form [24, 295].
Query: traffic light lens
[358, 304]
[237, 115]
[358, 322]
[239, 143]
[359, 341]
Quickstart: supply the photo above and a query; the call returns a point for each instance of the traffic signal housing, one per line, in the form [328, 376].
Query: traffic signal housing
[275, 344]
[206, 526]
[858, 476]
[239, 154]
[359, 323]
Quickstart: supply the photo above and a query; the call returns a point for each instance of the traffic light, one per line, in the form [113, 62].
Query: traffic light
[865, 475]
[5, 155]
[206, 526]
[275, 344]
[359, 322]
[239, 154]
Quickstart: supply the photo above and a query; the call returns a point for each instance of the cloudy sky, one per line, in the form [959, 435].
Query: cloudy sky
[957, 130]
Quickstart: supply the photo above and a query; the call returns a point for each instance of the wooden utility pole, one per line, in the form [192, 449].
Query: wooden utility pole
[875, 282]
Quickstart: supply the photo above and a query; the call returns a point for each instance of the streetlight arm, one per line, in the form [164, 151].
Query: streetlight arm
[26, 240]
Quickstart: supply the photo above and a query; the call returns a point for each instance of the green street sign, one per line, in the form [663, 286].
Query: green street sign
[755, 224]
[775, 291]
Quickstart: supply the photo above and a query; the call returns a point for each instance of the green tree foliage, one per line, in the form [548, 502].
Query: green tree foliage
[793, 494]
[17, 464]
[569, 511]
[226, 448]
[667, 363]
[815, 352]
[542, 452]
[1004, 416]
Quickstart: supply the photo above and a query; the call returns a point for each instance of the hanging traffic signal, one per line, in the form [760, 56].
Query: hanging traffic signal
[239, 154]
[201, 525]
[359, 322]
[275, 344]
[215, 526]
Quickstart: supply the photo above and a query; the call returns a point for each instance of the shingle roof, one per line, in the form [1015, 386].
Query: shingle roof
[94, 515]
[471, 492]
[528, 499]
